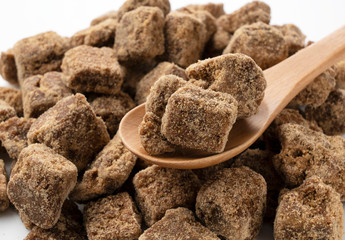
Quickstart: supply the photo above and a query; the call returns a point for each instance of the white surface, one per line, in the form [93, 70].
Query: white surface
[19, 19]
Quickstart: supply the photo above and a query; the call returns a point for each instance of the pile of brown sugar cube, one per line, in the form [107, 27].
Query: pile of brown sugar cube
[198, 70]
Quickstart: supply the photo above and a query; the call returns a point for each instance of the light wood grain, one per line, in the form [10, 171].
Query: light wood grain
[284, 81]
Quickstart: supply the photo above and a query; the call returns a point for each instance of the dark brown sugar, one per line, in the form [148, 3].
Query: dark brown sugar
[92, 69]
[4, 202]
[8, 69]
[130, 5]
[340, 74]
[6, 111]
[72, 129]
[216, 9]
[40, 183]
[294, 37]
[13, 97]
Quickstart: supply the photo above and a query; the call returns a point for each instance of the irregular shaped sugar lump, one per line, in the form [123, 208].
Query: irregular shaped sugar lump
[13, 97]
[13, 135]
[40, 183]
[252, 12]
[307, 153]
[39, 54]
[184, 38]
[236, 74]
[158, 189]
[106, 173]
[178, 223]
[92, 69]
[216, 9]
[294, 37]
[72, 129]
[311, 211]
[69, 226]
[145, 84]
[330, 114]
[112, 217]
[340, 74]
[4, 202]
[6, 111]
[262, 42]
[40, 92]
[8, 69]
[130, 5]
[199, 119]
[232, 203]
[139, 35]
[108, 15]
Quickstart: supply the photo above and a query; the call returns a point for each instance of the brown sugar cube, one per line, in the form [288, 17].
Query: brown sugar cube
[13, 135]
[40, 182]
[112, 217]
[232, 203]
[159, 189]
[6, 111]
[235, 74]
[330, 114]
[262, 42]
[72, 129]
[199, 119]
[253, 12]
[311, 211]
[216, 9]
[185, 38]
[287, 115]
[8, 69]
[205, 173]
[13, 97]
[108, 15]
[316, 92]
[112, 108]
[260, 161]
[161, 92]
[340, 74]
[100, 35]
[178, 223]
[130, 5]
[69, 226]
[92, 69]
[294, 37]
[39, 54]
[4, 202]
[306, 153]
[163, 68]
[107, 172]
[40, 92]
[139, 35]
[151, 136]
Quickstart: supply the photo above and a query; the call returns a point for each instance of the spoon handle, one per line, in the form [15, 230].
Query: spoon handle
[286, 79]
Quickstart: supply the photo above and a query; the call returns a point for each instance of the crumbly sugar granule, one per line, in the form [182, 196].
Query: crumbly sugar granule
[91, 69]
[69, 226]
[306, 153]
[262, 42]
[145, 84]
[8, 69]
[109, 170]
[4, 202]
[253, 12]
[40, 183]
[330, 114]
[311, 211]
[13, 97]
[140, 35]
[111, 108]
[40, 92]
[99, 35]
[235, 74]
[260, 161]
[178, 223]
[39, 54]
[185, 38]
[316, 92]
[13, 135]
[201, 119]
[72, 129]
[112, 218]
[6, 111]
[158, 189]
[232, 203]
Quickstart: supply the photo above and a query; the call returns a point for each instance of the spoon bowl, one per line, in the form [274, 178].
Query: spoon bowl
[284, 81]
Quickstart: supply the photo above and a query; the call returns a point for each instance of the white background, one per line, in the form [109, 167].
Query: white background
[19, 19]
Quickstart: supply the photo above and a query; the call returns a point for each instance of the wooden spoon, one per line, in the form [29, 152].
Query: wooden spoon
[284, 81]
